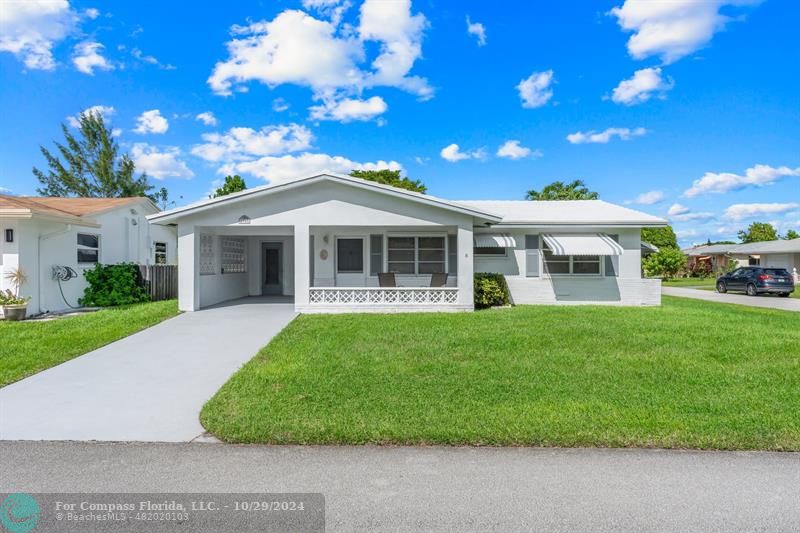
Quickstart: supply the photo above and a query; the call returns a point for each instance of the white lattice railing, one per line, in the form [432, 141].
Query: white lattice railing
[382, 295]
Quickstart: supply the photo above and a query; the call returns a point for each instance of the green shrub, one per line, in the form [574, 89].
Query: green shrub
[666, 263]
[119, 284]
[490, 290]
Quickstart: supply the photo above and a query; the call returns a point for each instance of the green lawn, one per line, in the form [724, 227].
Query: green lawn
[689, 282]
[32, 346]
[687, 374]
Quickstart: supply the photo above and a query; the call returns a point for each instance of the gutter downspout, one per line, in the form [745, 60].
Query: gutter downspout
[46, 236]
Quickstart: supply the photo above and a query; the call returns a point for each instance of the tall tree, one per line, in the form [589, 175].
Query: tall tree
[791, 234]
[757, 232]
[390, 177]
[558, 190]
[232, 184]
[660, 237]
[92, 166]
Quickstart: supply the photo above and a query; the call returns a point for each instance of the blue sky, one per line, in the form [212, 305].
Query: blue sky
[682, 109]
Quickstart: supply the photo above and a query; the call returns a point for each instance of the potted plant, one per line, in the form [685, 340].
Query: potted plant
[15, 307]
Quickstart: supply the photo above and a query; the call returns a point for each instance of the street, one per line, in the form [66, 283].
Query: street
[444, 489]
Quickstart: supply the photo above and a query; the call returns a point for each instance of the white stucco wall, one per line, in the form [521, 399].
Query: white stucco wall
[41, 245]
[628, 288]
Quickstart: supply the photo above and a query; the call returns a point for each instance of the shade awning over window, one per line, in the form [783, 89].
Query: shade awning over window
[582, 244]
[494, 240]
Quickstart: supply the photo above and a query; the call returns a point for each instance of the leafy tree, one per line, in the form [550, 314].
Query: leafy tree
[660, 237]
[232, 184]
[390, 177]
[791, 234]
[92, 165]
[711, 243]
[558, 190]
[666, 263]
[757, 232]
[161, 199]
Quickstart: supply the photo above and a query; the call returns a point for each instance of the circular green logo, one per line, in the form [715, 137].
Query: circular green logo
[19, 512]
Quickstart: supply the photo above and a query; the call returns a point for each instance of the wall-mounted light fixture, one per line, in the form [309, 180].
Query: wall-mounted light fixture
[10, 235]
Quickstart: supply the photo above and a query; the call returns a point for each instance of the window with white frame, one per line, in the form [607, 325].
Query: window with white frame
[416, 255]
[160, 251]
[577, 265]
[88, 248]
[234, 255]
[207, 258]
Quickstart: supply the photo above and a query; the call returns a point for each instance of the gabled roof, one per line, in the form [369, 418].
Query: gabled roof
[565, 212]
[67, 210]
[710, 249]
[266, 190]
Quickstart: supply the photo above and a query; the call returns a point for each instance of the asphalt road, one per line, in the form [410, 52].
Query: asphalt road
[445, 489]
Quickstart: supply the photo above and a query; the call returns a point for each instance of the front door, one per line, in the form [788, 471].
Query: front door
[350, 262]
[272, 252]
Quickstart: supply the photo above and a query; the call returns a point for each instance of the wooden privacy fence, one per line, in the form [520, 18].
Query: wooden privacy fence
[161, 281]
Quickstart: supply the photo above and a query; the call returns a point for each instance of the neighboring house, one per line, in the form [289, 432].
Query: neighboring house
[40, 233]
[775, 254]
[717, 256]
[325, 239]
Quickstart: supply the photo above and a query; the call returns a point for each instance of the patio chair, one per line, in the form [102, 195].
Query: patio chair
[386, 279]
[438, 280]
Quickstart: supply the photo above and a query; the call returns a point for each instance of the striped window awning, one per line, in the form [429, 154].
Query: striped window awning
[582, 244]
[494, 240]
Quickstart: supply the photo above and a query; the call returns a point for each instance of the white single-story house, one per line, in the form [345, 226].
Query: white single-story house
[341, 244]
[39, 233]
[772, 254]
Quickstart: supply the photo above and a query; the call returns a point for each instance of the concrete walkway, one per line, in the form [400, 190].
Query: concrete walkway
[770, 302]
[368, 488]
[146, 387]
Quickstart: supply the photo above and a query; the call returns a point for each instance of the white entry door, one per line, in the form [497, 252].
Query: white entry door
[350, 261]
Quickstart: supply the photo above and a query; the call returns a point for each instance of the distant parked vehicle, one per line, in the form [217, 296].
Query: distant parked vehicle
[757, 280]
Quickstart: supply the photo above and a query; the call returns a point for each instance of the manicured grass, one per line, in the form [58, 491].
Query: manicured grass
[689, 282]
[686, 374]
[32, 346]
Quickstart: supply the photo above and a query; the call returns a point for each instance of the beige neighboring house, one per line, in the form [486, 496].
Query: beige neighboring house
[39, 233]
[331, 241]
[773, 254]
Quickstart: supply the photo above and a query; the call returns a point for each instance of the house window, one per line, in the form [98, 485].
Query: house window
[754, 260]
[350, 255]
[417, 255]
[207, 259]
[234, 255]
[161, 253]
[88, 248]
[579, 265]
[10, 235]
[496, 252]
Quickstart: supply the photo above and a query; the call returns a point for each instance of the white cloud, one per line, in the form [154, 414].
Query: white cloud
[151, 122]
[160, 164]
[478, 30]
[536, 90]
[671, 29]
[299, 49]
[644, 84]
[453, 153]
[207, 118]
[741, 211]
[87, 57]
[29, 30]
[602, 137]
[278, 169]
[511, 149]
[152, 60]
[756, 176]
[91, 12]
[104, 111]
[279, 105]
[348, 109]
[239, 144]
[682, 234]
[5, 190]
[331, 9]
[677, 209]
[649, 198]
[689, 217]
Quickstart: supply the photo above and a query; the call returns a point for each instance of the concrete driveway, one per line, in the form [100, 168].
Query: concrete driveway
[146, 387]
[769, 302]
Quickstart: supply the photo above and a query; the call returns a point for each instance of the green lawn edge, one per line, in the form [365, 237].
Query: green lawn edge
[31, 346]
[674, 376]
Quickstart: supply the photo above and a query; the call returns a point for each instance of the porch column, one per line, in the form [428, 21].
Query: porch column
[188, 268]
[302, 269]
[466, 266]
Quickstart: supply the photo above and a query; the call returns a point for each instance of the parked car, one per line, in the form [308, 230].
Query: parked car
[757, 280]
